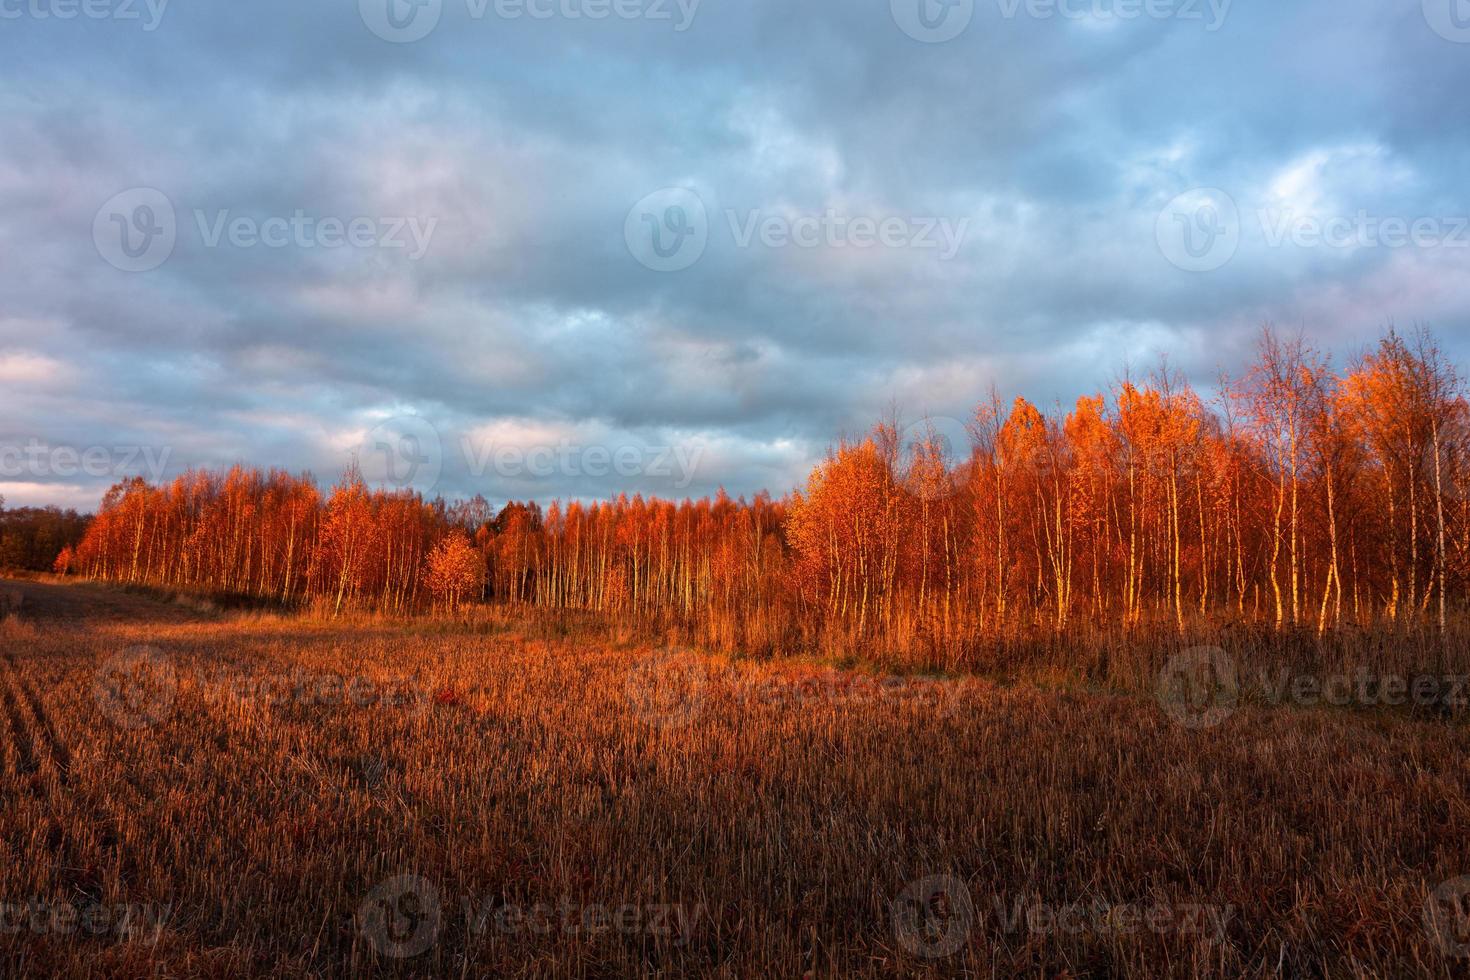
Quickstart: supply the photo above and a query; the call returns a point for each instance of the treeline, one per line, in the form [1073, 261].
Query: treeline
[33, 538]
[276, 536]
[1297, 496]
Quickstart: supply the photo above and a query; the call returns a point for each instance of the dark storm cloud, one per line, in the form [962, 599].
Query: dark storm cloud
[1045, 141]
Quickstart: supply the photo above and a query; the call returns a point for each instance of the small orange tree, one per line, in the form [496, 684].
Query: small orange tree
[455, 570]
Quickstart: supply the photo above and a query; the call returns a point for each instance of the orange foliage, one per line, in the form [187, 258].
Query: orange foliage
[1298, 497]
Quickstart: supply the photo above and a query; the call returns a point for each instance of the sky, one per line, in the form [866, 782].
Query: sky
[539, 249]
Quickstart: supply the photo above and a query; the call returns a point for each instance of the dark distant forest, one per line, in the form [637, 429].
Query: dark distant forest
[31, 538]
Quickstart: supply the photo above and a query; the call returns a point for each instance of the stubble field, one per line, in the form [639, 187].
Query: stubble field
[187, 792]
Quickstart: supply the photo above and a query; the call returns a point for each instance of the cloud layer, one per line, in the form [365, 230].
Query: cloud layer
[713, 234]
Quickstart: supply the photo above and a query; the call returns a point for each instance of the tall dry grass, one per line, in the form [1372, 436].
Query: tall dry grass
[776, 818]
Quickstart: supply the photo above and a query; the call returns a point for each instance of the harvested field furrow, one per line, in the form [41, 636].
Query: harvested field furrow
[9, 763]
[20, 733]
[60, 755]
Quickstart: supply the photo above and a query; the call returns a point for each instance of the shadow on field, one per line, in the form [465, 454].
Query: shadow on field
[87, 602]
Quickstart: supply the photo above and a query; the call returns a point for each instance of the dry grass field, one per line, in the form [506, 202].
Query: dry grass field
[186, 792]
